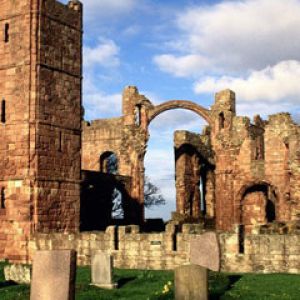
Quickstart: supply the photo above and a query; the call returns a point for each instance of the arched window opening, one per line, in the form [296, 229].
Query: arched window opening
[137, 115]
[6, 33]
[109, 163]
[2, 200]
[221, 121]
[117, 211]
[3, 111]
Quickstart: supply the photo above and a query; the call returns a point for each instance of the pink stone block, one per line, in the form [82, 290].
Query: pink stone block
[205, 251]
[53, 275]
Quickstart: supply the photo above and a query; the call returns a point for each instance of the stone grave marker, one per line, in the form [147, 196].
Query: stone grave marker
[205, 251]
[53, 275]
[191, 283]
[101, 268]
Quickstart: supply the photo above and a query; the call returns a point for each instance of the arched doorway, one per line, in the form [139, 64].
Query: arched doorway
[159, 159]
[258, 205]
[258, 201]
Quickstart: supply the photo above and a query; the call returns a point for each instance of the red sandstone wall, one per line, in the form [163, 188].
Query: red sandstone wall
[242, 155]
[40, 168]
[99, 137]
[59, 115]
[16, 133]
[263, 153]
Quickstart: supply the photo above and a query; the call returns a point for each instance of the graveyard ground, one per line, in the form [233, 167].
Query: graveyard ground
[152, 285]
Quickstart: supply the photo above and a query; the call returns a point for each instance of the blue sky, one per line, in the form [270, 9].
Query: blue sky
[189, 50]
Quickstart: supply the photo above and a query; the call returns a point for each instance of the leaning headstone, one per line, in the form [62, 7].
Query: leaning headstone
[205, 251]
[101, 267]
[53, 275]
[17, 273]
[191, 283]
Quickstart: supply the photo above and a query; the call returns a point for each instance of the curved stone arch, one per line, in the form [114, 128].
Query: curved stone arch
[183, 104]
[243, 190]
[240, 194]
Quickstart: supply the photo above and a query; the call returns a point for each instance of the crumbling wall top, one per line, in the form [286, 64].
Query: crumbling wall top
[102, 123]
[70, 13]
[225, 100]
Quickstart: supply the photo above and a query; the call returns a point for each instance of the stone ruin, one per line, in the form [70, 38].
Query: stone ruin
[249, 171]
[55, 179]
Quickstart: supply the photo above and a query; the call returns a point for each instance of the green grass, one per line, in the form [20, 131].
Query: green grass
[143, 285]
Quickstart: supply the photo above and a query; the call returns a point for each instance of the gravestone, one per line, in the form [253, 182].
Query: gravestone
[205, 251]
[101, 268]
[53, 275]
[191, 283]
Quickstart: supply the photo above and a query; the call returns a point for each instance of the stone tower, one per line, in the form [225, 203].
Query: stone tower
[40, 130]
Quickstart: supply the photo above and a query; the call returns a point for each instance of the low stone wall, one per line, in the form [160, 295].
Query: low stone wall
[264, 253]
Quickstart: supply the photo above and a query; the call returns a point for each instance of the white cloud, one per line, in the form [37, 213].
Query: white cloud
[101, 105]
[105, 57]
[271, 84]
[181, 66]
[234, 36]
[105, 54]
[97, 103]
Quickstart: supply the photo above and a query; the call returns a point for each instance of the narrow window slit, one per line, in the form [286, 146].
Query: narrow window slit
[241, 239]
[3, 113]
[221, 120]
[60, 142]
[2, 198]
[6, 33]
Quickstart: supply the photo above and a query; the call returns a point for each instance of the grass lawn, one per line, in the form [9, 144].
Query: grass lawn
[142, 285]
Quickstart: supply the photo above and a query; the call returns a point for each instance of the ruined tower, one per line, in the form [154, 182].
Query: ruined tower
[40, 130]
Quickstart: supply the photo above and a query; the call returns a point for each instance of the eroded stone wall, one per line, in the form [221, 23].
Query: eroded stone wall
[265, 253]
[249, 170]
[40, 91]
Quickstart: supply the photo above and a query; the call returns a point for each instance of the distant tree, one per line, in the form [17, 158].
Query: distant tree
[152, 197]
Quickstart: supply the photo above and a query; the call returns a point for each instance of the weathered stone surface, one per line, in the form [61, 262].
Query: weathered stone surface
[40, 132]
[53, 275]
[225, 173]
[236, 172]
[136, 251]
[191, 283]
[20, 274]
[205, 251]
[102, 269]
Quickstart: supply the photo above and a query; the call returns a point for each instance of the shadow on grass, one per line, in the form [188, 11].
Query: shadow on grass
[125, 280]
[232, 279]
[4, 284]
